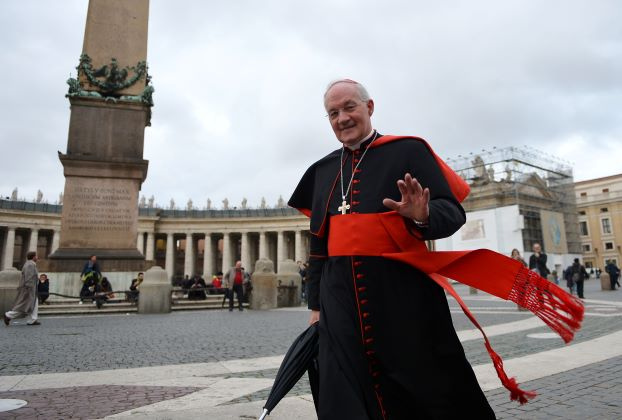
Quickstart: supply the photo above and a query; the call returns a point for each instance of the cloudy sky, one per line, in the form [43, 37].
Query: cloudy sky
[239, 84]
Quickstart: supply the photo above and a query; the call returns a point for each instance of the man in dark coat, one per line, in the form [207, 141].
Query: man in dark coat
[388, 348]
[26, 304]
[614, 272]
[576, 275]
[537, 261]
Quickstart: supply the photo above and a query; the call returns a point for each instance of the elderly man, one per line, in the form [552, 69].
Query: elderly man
[26, 304]
[388, 348]
[234, 280]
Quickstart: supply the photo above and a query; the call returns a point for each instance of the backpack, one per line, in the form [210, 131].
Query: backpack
[576, 276]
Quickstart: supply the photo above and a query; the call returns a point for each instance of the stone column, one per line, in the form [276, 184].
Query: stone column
[208, 258]
[140, 242]
[298, 251]
[189, 256]
[149, 252]
[34, 240]
[227, 262]
[245, 251]
[170, 256]
[280, 249]
[55, 240]
[263, 246]
[9, 248]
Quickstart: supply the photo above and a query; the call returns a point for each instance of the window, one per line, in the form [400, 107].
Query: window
[582, 213]
[604, 210]
[605, 190]
[586, 247]
[608, 246]
[606, 224]
[583, 228]
[583, 194]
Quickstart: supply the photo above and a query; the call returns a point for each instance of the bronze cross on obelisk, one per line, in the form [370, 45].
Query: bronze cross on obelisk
[344, 207]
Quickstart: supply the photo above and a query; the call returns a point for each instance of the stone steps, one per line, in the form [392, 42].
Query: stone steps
[73, 306]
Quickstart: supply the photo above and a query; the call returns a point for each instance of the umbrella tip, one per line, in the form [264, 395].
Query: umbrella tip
[264, 414]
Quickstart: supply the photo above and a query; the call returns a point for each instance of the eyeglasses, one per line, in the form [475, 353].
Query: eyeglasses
[348, 109]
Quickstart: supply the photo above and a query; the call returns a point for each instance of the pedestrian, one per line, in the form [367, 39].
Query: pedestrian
[387, 345]
[234, 281]
[43, 289]
[537, 261]
[516, 255]
[26, 304]
[576, 275]
[614, 273]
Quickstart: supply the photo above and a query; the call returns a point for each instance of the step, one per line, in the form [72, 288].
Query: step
[89, 311]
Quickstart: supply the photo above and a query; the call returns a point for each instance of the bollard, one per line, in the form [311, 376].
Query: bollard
[155, 292]
[289, 284]
[9, 280]
[605, 281]
[264, 295]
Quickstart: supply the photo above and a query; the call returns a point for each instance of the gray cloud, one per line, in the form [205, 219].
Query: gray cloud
[239, 86]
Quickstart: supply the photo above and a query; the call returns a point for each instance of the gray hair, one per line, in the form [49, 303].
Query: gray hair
[363, 94]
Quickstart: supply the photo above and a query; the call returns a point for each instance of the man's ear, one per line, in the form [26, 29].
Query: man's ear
[370, 107]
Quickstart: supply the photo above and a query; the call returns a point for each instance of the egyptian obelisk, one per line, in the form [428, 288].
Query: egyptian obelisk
[104, 166]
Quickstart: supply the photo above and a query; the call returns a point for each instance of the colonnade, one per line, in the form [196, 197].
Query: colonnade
[28, 239]
[206, 253]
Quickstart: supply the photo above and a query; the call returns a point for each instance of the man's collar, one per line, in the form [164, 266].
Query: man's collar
[358, 145]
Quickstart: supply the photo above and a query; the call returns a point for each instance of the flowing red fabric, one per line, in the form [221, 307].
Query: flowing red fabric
[387, 236]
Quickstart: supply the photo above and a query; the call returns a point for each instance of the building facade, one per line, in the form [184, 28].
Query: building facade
[599, 206]
[183, 242]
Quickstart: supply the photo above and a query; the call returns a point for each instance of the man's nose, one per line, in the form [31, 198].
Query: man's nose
[343, 116]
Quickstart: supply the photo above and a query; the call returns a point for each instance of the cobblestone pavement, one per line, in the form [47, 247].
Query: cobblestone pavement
[88, 401]
[211, 338]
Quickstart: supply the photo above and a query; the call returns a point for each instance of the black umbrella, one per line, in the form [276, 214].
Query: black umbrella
[301, 357]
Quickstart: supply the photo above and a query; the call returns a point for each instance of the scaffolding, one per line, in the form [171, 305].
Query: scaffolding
[526, 177]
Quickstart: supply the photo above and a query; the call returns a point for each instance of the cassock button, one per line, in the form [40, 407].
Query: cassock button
[356, 181]
[360, 276]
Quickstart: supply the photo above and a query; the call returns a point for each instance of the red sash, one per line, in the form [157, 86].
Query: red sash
[386, 235]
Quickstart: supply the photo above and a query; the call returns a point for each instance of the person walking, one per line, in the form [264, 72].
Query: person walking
[26, 304]
[577, 275]
[234, 281]
[614, 272]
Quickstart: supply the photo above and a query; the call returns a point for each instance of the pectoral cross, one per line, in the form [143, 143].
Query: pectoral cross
[344, 207]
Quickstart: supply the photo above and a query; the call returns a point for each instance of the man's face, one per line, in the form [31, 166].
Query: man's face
[238, 264]
[43, 277]
[536, 248]
[140, 276]
[93, 258]
[349, 117]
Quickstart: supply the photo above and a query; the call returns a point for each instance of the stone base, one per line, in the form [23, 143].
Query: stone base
[106, 262]
[103, 254]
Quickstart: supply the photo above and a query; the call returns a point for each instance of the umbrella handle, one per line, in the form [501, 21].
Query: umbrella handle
[264, 414]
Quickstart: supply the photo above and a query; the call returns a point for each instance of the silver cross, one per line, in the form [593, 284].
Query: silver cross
[344, 207]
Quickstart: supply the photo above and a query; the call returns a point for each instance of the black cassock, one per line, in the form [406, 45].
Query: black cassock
[388, 348]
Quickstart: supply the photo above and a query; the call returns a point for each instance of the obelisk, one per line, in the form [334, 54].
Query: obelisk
[104, 166]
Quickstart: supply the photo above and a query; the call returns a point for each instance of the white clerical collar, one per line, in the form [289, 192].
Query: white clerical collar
[358, 145]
